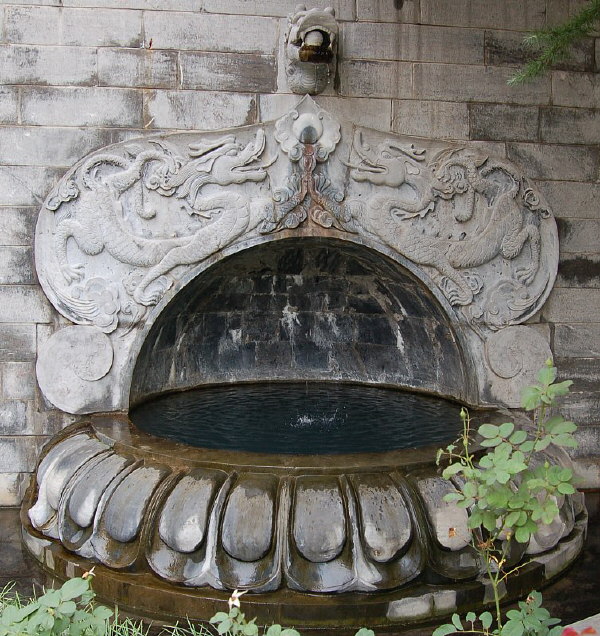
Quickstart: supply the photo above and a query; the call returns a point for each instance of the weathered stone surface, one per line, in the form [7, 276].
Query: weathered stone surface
[376, 79]
[579, 270]
[101, 27]
[118, 107]
[86, 355]
[32, 25]
[252, 497]
[503, 122]
[17, 225]
[572, 305]
[227, 72]
[569, 126]
[454, 82]
[579, 235]
[9, 105]
[580, 90]
[508, 48]
[183, 525]
[20, 303]
[573, 199]
[198, 110]
[515, 354]
[16, 266]
[577, 340]
[12, 488]
[18, 454]
[206, 32]
[585, 373]
[142, 68]
[17, 342]
[431, 119]
[404, 42]
[26, 185]
[371, 113]
[50, 146]
[48, 65]
[511, 14]
[15, 417]
[126, 509]
[278, 8]
[574, 163]
[404, 12]
[18, 380]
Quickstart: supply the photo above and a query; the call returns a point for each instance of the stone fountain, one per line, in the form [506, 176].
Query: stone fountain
[302, 250]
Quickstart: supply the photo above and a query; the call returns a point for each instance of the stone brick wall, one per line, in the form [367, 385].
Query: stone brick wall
[76, 75]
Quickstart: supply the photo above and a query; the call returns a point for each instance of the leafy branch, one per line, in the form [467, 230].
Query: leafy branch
[509, 490]
[555, 43]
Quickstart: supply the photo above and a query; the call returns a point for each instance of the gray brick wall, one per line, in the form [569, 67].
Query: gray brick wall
[76, 75]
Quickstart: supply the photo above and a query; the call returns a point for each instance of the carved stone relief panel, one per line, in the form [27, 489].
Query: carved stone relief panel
[131, 224]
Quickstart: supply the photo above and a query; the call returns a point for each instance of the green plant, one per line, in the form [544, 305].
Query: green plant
[68, 610]
[554, 44]
[234, 622]
[508, 490]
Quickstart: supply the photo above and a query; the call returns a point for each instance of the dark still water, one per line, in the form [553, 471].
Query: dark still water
[300, 418]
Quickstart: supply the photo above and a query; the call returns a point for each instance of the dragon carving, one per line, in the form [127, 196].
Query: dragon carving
[409, 216]
[96, 220]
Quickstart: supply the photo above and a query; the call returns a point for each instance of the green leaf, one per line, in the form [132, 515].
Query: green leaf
[512, 628]
[518, 437]
[565, 489]
[224, 626]
[522, 534]
[490, 443]
[444, 630]
[561, 388]
[542, 444]
[530, 398]
[486, 620]
[470, 489]
[488, 430]
[471, 617]
[73, 588]
[451, 470]
[506, 429]
[290, 632]
[219, 617]
[546, 375]
[457, 622]
[274, 630]
[453, 496]
[363, 631]
[511, 518]
[250, 630]
[566, 440]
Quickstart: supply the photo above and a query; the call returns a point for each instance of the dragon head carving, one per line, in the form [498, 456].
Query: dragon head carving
[387, 164]
[310, 49]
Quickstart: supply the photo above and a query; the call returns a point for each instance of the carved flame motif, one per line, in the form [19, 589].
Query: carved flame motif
[308, 138]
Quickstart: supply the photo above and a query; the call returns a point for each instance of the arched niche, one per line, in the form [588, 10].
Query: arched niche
[304, 309]
[132, 225]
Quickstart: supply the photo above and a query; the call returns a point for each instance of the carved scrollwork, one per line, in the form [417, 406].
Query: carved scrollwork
[474, 222]
[107, 208]
[132, 221]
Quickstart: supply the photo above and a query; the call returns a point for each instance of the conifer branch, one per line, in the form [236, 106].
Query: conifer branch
[556, 43]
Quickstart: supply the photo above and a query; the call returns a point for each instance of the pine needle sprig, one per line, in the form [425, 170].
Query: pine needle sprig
[556, 43]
